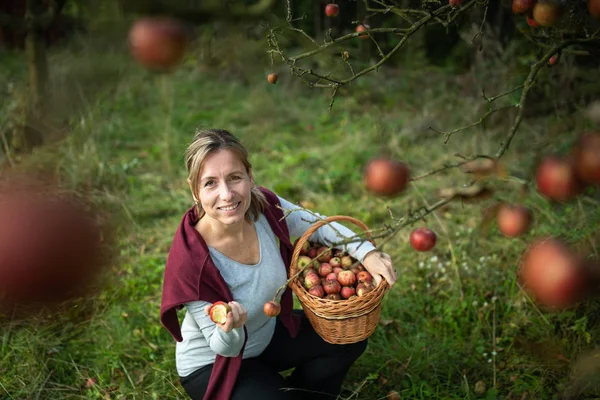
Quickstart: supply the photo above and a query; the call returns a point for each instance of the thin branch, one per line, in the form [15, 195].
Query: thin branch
[530, 81]
[490, 99]
[448, 135]
[449, 166]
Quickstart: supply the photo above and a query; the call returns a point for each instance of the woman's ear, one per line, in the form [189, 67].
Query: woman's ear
[251, 176]
[192, 190]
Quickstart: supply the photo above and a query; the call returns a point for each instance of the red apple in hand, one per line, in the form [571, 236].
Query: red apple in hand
[332, 10]
[513, 220]
[423, 239]
[553, 273]
[556, 179]
[272, 308]
[384, 177]
[218, 312]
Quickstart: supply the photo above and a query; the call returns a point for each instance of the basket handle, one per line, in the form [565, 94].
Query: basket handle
[313, 229]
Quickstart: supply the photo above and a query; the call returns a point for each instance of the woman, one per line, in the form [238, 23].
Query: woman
[234, 246]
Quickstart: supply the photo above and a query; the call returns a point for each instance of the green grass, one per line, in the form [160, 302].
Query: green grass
[456, 320]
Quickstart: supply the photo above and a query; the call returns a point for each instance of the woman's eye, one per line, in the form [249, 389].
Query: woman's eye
[235, 178]
[209, 183]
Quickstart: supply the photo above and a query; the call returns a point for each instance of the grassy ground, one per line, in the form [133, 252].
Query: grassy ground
[455, 326]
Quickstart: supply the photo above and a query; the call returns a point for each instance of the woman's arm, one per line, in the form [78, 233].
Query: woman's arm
[299, 221]
[227, 344]
[379, 264]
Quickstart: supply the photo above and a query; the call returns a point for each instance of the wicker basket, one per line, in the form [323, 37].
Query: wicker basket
[338, 321]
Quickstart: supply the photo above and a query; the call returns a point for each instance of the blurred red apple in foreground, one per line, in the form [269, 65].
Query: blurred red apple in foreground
[50, 248]
[385, 177]
[158, 42]
[594, 8]
[556, 179]
[423, 239]
[513, 220]
[587, 158]
[553, 273]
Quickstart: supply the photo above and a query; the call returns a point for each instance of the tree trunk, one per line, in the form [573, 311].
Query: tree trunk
[38, 70]
[37, 61]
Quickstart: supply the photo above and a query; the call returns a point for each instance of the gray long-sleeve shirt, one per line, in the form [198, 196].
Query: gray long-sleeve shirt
[251, 286]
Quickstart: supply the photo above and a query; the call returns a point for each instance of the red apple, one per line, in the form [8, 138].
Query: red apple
[312, 252]
[364, 277]
[272, 309]
[522, 6]
[347, 278]
[218, 312]
[333, 296]
[594, 8]
[325, 269]
[331, 277]
[335, 262]
[513, 220]
[309, 270]
[323, 254]
[556, 179]
[347, 292]
[317, 291]
[531, 22]
[553, 59]
[553, 273]
[311, 280]
[332, 10]
[272, 78]
[423, 239]
[361, 29]
[546, 12]
[158, 42]
[52, 246]
[385, 177]
[362, 289]
[455, 3]
[332, 286]
[587, 158]
[337, 270]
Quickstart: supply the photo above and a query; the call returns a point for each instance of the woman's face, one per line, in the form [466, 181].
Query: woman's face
[224, 188]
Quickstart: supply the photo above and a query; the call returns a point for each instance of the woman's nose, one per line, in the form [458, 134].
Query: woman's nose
[226, 192]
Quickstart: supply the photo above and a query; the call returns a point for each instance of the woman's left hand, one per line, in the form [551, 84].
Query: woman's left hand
[379, 265]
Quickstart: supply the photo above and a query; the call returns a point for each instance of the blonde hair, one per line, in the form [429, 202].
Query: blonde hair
[207, 142]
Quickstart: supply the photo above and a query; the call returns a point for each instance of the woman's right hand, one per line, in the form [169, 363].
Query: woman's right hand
[236, 318]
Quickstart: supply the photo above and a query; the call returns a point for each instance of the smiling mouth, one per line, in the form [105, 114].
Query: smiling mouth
[230, 208]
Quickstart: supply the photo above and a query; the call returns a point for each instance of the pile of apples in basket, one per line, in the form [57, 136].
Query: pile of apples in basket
[332, 274]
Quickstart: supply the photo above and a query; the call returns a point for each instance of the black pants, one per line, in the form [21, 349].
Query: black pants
[320, 368]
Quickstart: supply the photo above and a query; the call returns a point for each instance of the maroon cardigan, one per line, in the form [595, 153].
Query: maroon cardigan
[191, 275]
